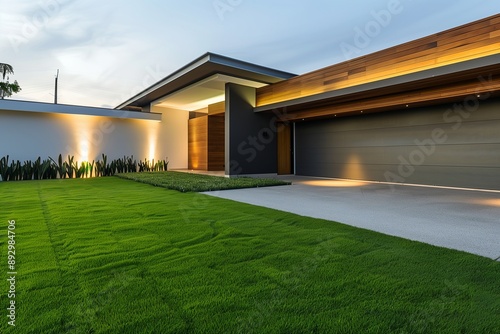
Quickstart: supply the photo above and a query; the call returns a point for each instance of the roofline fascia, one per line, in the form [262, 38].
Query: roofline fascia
[207, 57]
[183, 70]
[243, 65]
[42, 107]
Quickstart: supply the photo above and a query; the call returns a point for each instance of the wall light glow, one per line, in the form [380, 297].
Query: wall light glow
[84, 136]
[354, 169]
[152, 141]
[152, 148]
[84, 151]
[87, 136]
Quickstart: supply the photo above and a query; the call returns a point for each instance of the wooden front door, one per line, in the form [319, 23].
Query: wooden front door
[285, 149]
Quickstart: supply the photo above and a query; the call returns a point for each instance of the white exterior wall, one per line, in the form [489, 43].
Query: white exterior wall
[29, 135]
[172, 138]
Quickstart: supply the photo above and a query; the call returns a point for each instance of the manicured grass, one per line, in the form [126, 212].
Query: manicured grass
[113, 256]
[185, 182]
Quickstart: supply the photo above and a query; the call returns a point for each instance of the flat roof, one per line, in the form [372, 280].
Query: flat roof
[40, 107]
[206, 66]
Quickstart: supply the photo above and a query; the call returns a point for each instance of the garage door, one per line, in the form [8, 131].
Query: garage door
[450, 145]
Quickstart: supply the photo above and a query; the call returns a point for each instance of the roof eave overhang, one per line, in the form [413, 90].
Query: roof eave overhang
[472, 69]
[200, 69]
[50, 108]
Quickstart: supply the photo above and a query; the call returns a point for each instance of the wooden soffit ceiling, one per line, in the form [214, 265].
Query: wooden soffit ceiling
[447, 84]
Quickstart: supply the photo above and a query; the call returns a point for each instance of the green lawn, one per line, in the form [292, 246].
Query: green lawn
[185, 182]
[110, 255]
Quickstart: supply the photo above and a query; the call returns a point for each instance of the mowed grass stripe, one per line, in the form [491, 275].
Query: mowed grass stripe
[34, 254]
[186, 182]
[113, 256]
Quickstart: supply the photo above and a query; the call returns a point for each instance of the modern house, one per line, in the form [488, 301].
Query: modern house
[424, 112]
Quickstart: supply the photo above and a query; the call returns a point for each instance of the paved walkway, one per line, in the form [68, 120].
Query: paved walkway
[459, 219]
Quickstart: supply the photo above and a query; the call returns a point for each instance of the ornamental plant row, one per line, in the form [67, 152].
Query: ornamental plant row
[69, 168]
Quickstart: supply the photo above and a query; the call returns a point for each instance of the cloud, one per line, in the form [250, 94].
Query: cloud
[106, 49]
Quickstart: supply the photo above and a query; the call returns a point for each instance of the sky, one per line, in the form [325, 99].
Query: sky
[107, 51]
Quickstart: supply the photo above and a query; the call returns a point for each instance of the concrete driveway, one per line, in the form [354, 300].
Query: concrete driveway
[465, 220]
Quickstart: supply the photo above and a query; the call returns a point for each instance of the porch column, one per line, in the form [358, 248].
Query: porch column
[250, 138]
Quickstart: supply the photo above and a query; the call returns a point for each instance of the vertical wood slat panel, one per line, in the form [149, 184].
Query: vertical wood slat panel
[217, 108]
[198, 143]
[284, 149]
[206, 143]
[216, 143]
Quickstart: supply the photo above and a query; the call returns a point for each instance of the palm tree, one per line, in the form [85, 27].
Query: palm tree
[6, 69]
[7, 88]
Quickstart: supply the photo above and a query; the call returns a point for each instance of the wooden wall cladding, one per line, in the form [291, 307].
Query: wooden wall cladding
[471, 41]
[198, 143]
[217, 108]
[206, 143]
[216, 143]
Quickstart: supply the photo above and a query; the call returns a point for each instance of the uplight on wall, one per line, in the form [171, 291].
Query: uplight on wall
[354, 168]
[84, 150]
[85, 137]
[152, 140]
[88, 137]
[152, 149]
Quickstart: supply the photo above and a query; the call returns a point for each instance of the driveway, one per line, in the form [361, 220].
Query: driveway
[465, 220]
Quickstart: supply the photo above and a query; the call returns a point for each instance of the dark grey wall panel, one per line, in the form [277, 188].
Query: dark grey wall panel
[478, 132]
[442, 145]
[250, 138]
[449, 155]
